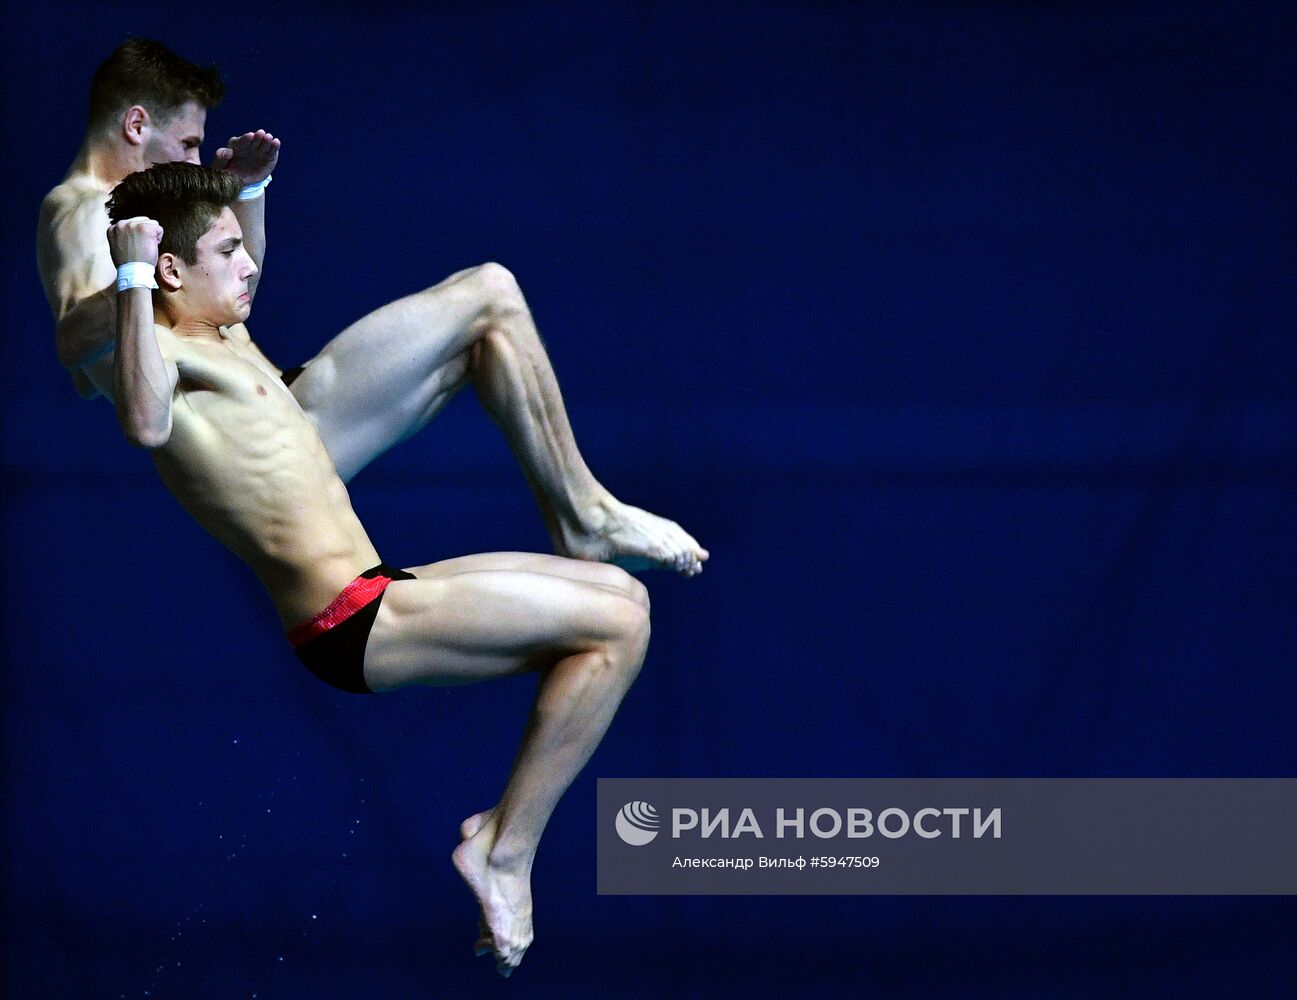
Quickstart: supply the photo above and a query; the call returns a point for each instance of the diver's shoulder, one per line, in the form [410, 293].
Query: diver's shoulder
[73, 195]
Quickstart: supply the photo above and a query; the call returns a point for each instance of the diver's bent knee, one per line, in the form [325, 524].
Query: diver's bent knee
[495, 276]
[615, 578]
[632, 627]
[629, 585]
[500, 291]
[639, 593]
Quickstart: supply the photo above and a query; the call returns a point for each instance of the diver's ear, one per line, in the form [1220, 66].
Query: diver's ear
[135, 123]
[170, 272]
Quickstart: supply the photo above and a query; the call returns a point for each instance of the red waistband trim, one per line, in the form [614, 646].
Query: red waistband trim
[355, 595]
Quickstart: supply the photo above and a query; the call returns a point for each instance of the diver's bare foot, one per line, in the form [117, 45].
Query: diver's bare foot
[503, 897]
[474, 823]
[631, 538]
[467, 829]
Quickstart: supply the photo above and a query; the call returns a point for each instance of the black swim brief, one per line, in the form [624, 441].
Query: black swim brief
[332, 644]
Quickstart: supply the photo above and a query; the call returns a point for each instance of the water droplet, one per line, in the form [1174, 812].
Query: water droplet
[314, 917]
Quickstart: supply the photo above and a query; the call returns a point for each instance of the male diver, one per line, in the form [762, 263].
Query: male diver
[381, 379]
[246, 459]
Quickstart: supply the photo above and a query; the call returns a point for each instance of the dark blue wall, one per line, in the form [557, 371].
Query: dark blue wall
[962, 335]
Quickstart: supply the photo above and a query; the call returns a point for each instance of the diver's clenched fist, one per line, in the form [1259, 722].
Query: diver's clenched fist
[134, 239]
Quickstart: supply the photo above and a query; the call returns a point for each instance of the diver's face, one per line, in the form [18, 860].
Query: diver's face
[175, 137]
[215, 286]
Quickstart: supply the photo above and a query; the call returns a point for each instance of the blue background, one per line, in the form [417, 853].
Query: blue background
[962, 335]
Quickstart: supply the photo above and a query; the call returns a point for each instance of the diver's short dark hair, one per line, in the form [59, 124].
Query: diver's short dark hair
[142, 71]
[183, 198]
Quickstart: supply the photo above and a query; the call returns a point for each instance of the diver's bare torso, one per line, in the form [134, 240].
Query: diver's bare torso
[73, 259]
[77, 271]
[248, 464]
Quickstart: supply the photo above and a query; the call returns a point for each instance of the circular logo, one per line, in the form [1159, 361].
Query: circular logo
[637, 823]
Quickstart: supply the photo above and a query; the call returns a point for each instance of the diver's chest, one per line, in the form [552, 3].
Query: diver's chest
[247, 402]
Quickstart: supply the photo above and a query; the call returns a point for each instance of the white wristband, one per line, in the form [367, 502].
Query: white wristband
[253, 191]
[136, 274]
